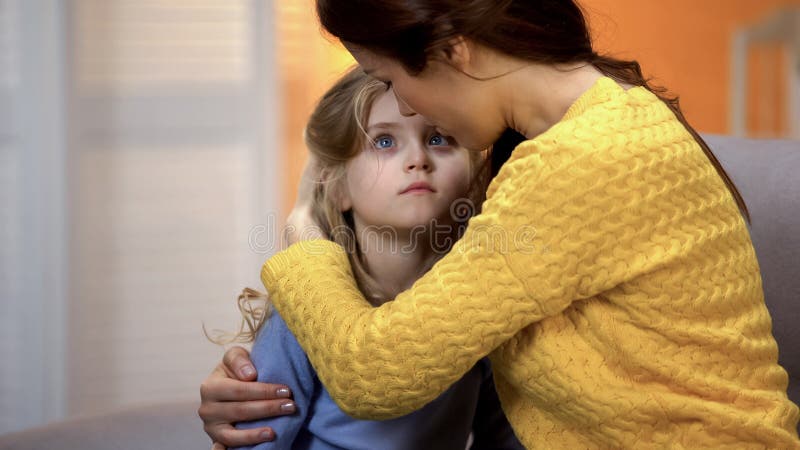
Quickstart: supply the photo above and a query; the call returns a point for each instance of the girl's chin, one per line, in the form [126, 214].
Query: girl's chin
[429, 223]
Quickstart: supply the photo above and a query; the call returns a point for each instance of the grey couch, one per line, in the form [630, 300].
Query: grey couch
[768, 176]
[168, 426]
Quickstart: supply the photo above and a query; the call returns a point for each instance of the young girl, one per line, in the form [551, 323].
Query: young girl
[638, 320]
[389, 184]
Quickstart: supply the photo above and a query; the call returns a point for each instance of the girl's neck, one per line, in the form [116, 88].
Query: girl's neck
[395, 260]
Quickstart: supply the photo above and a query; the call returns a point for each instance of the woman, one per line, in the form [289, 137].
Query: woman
[635, 315]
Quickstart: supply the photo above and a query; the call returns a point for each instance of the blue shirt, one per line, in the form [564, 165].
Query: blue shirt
[470, 405]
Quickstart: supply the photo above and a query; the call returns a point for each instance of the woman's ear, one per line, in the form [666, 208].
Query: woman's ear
[459, 53]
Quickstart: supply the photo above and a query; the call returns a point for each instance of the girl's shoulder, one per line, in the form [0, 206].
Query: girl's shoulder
[276, 350]
[273, 329]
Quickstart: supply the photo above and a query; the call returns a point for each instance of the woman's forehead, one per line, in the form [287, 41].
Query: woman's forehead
[369, 61]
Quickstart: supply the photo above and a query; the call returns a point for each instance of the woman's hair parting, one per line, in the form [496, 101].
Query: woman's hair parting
[414, 32]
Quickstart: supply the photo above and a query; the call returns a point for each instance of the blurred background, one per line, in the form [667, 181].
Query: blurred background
[149, 151]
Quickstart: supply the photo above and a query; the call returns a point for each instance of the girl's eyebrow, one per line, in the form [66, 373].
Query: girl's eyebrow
[383, 125]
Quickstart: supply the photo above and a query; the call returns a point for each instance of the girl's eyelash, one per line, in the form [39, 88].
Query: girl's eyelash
[448, 141]
[391, 141]
[376, 141]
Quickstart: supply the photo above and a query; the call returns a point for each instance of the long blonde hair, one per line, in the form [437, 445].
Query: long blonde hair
[335, 134]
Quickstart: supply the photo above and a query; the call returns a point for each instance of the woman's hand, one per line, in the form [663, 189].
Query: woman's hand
[300, 224]
[226, 400]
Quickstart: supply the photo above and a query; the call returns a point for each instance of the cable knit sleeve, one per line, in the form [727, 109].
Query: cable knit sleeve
[576, 211]
[389, 361]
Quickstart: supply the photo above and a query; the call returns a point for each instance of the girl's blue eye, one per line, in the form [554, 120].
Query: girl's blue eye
[438, 139]
[384, 142]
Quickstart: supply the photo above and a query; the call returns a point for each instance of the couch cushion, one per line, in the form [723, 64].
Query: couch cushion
[173, 426]
[767, 174]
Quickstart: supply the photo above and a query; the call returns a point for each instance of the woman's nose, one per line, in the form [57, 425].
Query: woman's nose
[405, 110]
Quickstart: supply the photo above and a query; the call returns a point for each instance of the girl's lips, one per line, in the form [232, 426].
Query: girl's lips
[419, 186]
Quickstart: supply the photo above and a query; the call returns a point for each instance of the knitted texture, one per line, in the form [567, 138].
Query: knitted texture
[610, 278]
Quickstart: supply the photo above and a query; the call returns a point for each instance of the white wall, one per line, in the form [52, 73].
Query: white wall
[138, 150]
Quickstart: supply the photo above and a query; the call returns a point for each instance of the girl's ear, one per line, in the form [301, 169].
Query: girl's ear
[342, 196]
[338, 190]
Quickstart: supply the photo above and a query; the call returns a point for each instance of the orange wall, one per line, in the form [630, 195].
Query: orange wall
[685, 45]
[308, 64]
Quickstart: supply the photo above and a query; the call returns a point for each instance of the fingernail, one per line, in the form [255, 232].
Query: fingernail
[266, 434]
[248, 371]
[283, 392]
[287, 407]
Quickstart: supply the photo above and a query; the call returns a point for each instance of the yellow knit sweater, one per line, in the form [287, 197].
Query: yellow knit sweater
[610, 278]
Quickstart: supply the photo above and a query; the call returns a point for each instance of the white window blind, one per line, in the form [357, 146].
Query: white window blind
[163, 244]
[128, 44]
[175, 161]
[138, 150]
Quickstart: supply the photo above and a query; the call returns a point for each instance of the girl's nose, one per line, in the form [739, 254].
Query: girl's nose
[417, 159]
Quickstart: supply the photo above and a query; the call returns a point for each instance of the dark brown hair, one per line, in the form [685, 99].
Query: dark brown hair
[545, 31]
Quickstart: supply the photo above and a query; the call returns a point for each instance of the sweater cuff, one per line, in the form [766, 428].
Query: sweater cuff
[276, 266]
